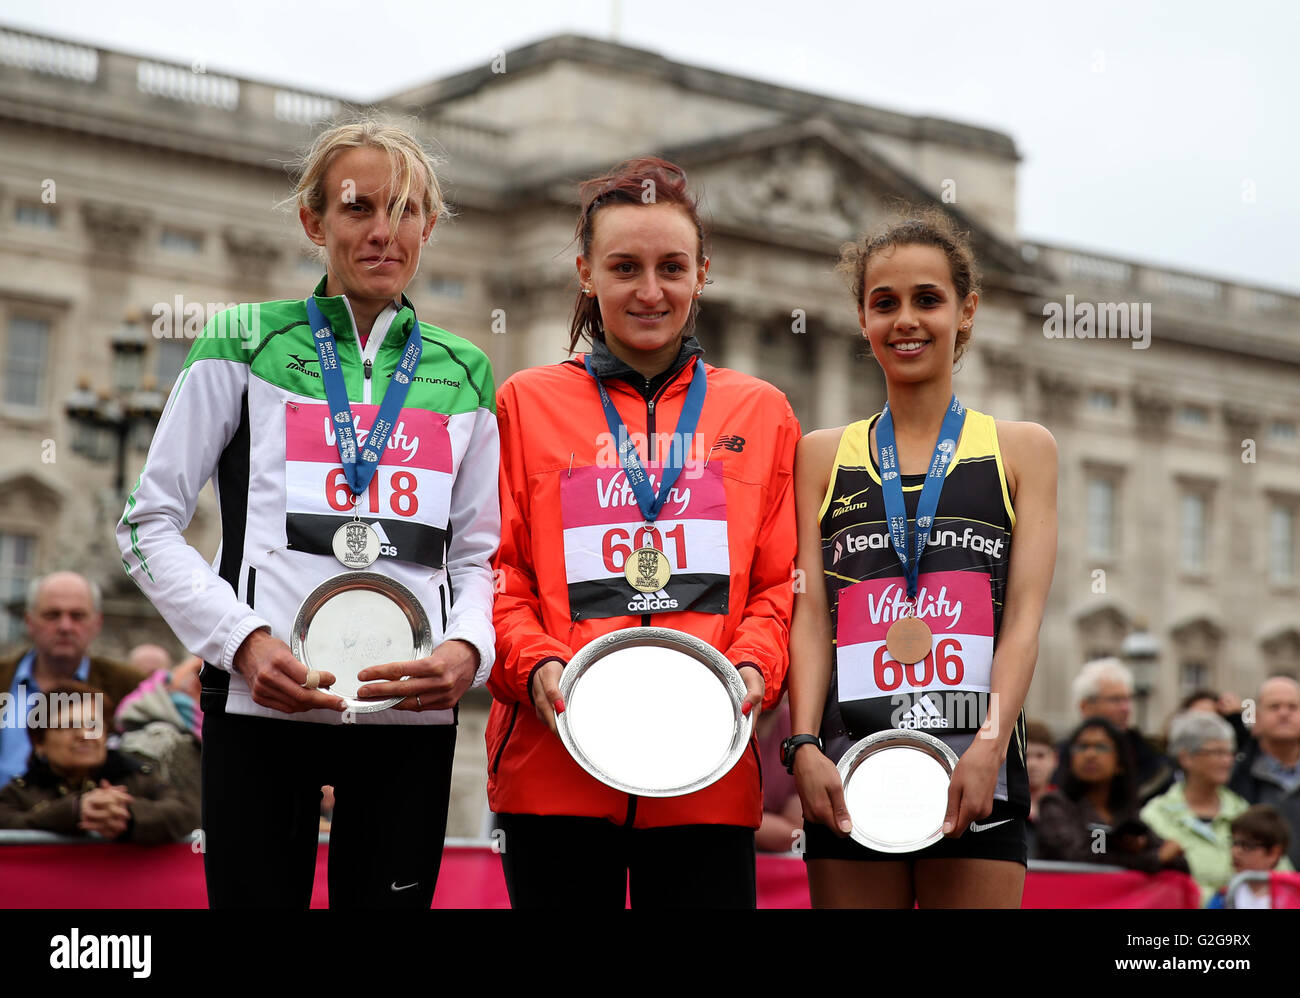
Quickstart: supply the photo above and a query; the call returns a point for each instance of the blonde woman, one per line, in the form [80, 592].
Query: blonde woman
[262, 409]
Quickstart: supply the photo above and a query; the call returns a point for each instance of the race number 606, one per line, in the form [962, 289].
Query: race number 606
[943, 663]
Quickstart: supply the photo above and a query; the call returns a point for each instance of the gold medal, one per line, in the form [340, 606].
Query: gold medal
[648, 570]
[909, 640]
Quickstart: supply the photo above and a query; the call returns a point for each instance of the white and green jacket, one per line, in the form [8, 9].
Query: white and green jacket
[248, 412]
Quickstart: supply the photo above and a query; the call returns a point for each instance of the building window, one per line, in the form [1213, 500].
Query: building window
[447, 287]
[26, 354]
[17, 569]
[170, 359]
[180, 241]
[1194, 415]
[1281, 545]
[1102, 400]
[1191, 546]
[1193, 676]
[1101, 517]
[1283, 430]
[36, 216]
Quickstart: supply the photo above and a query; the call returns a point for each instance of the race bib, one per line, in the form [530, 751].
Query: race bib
[407, 501]
[603, 527]
[949, 688]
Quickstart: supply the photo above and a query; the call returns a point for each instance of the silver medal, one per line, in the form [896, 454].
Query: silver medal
[356, 544]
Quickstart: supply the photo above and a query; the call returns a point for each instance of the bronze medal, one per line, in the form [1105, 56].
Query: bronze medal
[909, 640]
[648, 570]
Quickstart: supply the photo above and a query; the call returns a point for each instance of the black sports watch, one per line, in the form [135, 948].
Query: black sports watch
[791, 745]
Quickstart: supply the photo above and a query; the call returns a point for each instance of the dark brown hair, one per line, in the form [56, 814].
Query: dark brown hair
[648, 180]
[1039, 734]
[61, 694]
[1264, 825]
[912, 226]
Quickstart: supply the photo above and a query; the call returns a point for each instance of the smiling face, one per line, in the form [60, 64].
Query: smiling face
[75, 745]
[644, 270]
[910, 312]
[369, 259]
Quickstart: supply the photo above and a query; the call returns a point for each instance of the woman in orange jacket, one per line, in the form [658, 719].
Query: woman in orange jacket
[569, 521]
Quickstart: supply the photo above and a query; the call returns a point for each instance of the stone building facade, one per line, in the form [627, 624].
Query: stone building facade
[135, 194]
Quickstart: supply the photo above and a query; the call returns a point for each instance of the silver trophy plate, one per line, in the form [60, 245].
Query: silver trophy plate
[652, 711]
[896, 789]
[355, 620]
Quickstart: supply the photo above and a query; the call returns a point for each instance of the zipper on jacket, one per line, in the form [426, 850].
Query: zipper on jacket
[366, 368]
[650, 455]
[514, 715]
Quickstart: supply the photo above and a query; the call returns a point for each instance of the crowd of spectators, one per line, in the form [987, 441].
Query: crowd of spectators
[1217, 796]
[90, 747]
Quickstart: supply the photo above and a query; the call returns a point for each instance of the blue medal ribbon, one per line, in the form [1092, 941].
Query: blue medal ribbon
[891, 485]
[359, 468]
[636, 476]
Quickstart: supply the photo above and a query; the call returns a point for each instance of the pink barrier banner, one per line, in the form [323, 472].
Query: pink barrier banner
[171, 876]
[1050, 889]
[1285, 888]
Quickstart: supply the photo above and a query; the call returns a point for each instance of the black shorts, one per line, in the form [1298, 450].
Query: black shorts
[1003, 838]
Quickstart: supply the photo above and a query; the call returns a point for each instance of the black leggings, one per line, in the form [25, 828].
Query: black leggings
[261, 810]
[565, 862]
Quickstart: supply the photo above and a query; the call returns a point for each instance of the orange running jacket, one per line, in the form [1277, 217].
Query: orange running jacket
[567, 523]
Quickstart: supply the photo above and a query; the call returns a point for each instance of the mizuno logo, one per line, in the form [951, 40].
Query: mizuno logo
[845, 500]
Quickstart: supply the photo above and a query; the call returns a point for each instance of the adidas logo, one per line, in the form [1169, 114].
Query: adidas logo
[925, 713]
[651, 602]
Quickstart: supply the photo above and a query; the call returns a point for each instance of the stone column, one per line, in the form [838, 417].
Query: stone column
[740, 343]
[833, 402]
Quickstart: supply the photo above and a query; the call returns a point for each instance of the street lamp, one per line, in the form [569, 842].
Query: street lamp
[1141, 652]
[106, 423]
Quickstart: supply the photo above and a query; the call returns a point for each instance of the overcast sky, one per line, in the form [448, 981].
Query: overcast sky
[1164, 132]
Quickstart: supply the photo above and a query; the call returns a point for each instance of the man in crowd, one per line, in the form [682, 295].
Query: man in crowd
[1268, 771]
[63, 617]
[1104, 688]
[148, 659]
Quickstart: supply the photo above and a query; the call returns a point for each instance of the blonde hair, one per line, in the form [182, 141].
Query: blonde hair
[406, 155]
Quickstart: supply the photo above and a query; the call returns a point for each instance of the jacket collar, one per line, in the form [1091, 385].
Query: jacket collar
[608, 366]
[338, 313]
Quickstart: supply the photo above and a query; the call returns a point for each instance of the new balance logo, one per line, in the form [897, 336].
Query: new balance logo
[730, 442]
[925, 713]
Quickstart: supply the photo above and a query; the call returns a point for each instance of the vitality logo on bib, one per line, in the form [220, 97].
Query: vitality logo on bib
[406, 502]
[605, 535]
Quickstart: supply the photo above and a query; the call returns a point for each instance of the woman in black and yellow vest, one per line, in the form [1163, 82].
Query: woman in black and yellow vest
[981, 596]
